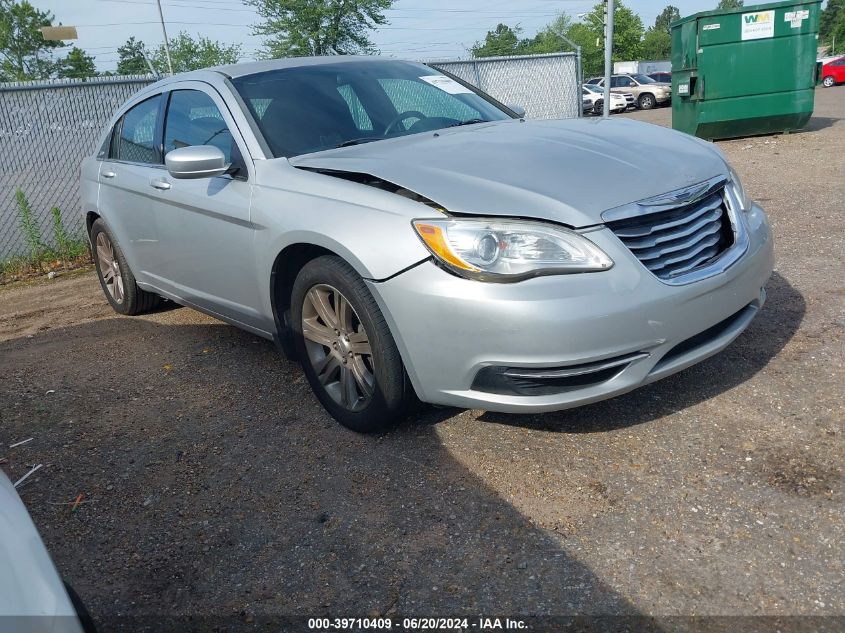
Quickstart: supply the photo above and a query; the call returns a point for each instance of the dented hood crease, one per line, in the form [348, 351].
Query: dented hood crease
[567, 171]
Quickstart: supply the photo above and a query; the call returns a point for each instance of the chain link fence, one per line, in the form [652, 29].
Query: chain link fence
[46, 128]
[547, 86]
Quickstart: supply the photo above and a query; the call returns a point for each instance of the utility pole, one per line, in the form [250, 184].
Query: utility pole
[153, 71]
[608, 51]
[166, 42]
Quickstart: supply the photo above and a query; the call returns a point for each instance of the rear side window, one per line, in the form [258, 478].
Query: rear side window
[194, 119]
[136, 140]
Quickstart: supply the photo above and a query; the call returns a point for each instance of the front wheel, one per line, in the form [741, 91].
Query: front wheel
[828, 82]
[598, 107]
[346, 349]
[116, 277]
[647, 101]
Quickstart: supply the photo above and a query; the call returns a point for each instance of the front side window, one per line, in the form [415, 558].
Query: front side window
[313, 108]
[136, 142]
[194, 119]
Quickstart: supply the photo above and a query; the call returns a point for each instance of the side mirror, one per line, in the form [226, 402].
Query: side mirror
[518, 110]
[196, 161]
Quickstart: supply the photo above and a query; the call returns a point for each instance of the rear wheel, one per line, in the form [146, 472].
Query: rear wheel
[116, 278]
[346, 349]
[828, 82]
[646, 101]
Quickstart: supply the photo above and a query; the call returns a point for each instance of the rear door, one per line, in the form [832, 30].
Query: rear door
[206, 235]
[133, 159]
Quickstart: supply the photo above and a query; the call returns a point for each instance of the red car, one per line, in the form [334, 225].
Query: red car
[833, 72]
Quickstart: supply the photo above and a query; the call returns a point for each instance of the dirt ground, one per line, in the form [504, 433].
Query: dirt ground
[216, 485]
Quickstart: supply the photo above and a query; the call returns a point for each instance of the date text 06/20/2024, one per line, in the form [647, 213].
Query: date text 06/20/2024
[417, 624]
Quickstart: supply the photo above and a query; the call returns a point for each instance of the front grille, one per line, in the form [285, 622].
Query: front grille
[675, 242]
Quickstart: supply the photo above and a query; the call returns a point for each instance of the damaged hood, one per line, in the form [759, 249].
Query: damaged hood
[568, 171]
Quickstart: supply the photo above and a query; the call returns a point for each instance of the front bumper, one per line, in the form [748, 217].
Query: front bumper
[448, 329]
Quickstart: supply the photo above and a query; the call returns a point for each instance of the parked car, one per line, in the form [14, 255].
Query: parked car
[647, 93]
[595, 96]
[32, 595]
[833, 72]
[400, 233]
[662, 77]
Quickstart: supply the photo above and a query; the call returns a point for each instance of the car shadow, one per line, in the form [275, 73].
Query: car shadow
[220, 496]
[768, 333]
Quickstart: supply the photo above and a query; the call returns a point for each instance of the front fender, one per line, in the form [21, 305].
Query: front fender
[368, 227]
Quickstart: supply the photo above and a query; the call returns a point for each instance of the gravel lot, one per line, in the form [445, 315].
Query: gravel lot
[215, 484]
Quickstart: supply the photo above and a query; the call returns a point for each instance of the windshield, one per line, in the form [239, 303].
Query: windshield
[592, 88]
[323, 106]
[643, 79]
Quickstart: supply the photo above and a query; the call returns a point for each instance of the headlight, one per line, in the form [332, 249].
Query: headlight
[737, 190]
[509, 250]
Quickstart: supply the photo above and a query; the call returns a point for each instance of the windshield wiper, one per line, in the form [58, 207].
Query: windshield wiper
[357, 141]
[468, 122]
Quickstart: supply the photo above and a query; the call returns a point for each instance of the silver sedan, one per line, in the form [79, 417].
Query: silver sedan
[403, 235]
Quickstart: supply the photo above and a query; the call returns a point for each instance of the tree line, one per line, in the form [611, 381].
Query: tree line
[26, 55]
[310, 27]
[631, 40]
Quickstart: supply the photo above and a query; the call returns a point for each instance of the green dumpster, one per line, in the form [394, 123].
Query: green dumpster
[745, 71]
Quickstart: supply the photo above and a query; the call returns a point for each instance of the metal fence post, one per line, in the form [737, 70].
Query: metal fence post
[608, 52]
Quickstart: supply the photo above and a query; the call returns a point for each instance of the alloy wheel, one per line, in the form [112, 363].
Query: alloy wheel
[338, 347]
[109, 267]
[828, 82]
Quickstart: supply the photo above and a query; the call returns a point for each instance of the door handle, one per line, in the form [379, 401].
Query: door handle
[108, 174]
[159, 183]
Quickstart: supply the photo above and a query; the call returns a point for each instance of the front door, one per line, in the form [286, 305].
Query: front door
[206, 236]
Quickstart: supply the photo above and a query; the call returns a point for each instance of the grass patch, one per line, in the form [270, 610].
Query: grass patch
[64, 252]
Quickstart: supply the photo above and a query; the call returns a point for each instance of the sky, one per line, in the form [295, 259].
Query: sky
[417, 29]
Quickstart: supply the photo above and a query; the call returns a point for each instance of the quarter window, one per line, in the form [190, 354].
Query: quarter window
[194, 119]
[136, 142]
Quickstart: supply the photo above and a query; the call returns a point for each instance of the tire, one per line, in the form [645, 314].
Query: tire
[345, 348]
[598, 107]
[116, 278]
[646, 101]
[828, 82]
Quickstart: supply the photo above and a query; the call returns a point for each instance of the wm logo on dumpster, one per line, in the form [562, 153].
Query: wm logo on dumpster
[757, 18]
[758, 25]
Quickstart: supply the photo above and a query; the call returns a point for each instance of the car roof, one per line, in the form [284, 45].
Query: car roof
[250, 68]
[232, 71]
